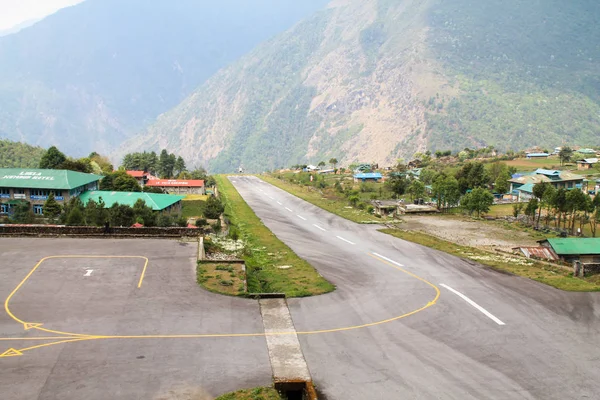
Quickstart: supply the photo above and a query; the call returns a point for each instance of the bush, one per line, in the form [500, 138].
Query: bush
[370, 209]
[200, 222]
[214, 208]
[224, 282]
[361, 206]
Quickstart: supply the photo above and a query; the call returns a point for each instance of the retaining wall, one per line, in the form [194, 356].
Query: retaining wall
[93, 231]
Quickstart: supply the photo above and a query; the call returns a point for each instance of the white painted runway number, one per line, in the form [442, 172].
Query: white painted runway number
[89, 272]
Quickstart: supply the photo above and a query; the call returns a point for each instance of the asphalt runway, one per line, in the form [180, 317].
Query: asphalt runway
[487, 335]
[125, 319]
[81, 328]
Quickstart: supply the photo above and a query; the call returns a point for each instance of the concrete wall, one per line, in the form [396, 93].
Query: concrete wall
[11, 230]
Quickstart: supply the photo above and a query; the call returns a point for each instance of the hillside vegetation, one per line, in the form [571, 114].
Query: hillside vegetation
[19, 155]
[371, 81]
[89, 76]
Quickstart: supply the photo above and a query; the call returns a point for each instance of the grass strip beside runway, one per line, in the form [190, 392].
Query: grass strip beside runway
[338, 207]
[265, 253]
[552, 276]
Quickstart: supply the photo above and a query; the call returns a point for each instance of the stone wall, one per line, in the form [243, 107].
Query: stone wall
[41, 230]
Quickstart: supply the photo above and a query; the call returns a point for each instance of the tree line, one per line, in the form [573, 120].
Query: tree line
[566, 209]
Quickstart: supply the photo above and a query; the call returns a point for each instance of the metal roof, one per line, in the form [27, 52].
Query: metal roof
[528, 188]
[368, 175]
[538, 155]
[574, 246]
[539, 252]
[44, 178]
[175, 183]
[137, 174]
[547, 172]
[155, 200]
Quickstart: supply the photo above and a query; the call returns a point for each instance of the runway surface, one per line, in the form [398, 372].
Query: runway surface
[487, 336]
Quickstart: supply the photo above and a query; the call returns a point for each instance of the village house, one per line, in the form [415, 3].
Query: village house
[587, 163]
[33, 186]
[537, 155]
[584, 250]
[178, 186]
[521, 185]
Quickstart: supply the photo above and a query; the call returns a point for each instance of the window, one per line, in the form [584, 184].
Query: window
[4, 208]
[38, 209]
[19, 191]
[4, 191]
[570, 185]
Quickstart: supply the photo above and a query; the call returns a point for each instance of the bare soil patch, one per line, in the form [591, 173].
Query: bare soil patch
[468, 232]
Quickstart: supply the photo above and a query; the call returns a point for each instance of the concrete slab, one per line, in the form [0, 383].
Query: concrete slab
[285, 354]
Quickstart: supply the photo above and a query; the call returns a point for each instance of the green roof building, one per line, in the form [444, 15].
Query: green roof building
[158, 202]
[586, 250]
[33, 186]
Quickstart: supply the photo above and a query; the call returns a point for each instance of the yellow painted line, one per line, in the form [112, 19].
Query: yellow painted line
[39, 346]
[84, 337]
[37, 326]
[143, 273]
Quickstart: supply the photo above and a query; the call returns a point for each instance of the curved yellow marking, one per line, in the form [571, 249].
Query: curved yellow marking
[83, 337]
[28, 325]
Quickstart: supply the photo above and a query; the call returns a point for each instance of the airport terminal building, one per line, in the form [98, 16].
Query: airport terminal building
[33, 186]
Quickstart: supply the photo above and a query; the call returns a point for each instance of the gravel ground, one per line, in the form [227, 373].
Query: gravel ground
[468, 232]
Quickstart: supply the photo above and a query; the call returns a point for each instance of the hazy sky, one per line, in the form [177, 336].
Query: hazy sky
[13, 12]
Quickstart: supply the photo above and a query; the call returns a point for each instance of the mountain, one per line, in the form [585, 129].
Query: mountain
[18, 27]
[92, 75]
[371, 81]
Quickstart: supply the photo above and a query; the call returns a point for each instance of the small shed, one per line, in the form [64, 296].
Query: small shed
[386, 208]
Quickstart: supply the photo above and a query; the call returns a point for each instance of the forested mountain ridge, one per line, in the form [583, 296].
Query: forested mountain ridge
[376, 80]
[92, 75]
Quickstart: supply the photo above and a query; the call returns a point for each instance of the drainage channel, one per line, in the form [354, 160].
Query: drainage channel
[291, 376]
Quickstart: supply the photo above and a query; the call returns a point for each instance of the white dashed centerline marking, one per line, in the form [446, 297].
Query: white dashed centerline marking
[301, 217]
[288, 209]
[345, 240]
[315, 225]
[477, 306]
[279, 203]
[387, 259]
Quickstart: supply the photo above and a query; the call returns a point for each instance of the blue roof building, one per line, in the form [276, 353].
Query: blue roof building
[368, 176]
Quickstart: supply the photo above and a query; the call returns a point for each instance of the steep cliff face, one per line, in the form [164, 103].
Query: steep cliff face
[371, 81]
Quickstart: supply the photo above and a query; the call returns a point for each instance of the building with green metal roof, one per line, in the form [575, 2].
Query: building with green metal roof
[33, 186]
[158, 202]
[586, 250]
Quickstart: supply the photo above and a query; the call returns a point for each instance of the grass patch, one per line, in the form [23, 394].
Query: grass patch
[500, 210]
[553, 276]
[525, 164]
[221, 278]
[203, 197]
[264, 252]
[259, 393]
[335, 205]
[192, 208]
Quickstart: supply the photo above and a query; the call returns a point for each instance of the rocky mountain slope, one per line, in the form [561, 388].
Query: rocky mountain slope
[374, 80]
[89, 76]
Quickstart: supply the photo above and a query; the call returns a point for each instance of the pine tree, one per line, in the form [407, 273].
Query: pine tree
[51, 207]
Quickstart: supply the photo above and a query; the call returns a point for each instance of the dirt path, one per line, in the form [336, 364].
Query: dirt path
[468, 232]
